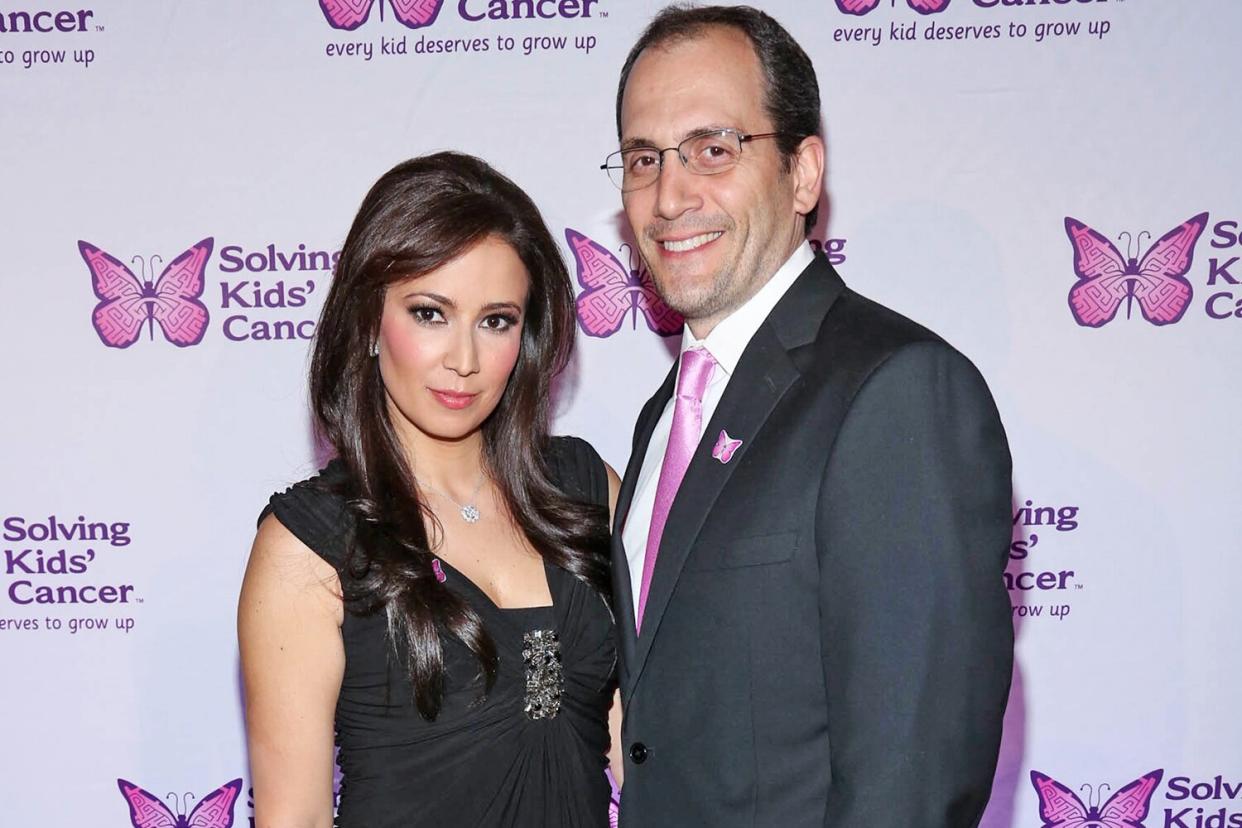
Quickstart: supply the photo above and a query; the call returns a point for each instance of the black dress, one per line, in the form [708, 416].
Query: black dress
[480, 763]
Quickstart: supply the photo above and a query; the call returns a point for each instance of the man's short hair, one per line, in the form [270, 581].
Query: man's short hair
[791, 94]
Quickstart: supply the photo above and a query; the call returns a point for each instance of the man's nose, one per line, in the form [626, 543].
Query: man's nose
[677, 189]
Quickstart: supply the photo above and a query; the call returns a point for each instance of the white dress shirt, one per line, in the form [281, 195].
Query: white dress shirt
[726, 343]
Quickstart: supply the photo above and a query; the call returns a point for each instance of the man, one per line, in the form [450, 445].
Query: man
[811, 532]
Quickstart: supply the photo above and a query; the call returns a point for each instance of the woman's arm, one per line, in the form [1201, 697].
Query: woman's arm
[289, 631]
[614, 745]
[614, 488]
[614, 714]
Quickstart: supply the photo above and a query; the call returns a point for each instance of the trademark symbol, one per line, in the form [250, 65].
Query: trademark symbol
[144, 600]
[99, 28]
[603, 14]
[1077, 586]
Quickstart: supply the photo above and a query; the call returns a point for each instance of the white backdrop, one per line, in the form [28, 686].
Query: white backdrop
[143, 128]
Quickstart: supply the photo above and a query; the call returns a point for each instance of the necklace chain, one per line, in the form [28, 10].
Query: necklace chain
[469, 511]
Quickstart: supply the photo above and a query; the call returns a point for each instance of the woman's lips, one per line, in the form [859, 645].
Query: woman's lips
[452, 399]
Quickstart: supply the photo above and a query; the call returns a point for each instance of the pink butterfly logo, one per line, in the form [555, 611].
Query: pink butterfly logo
[350, 14]
[725, 447]
[861, 7]
[610, 292]
[215, 810]
[1106, 278]
[1059, 807]
[126, 302]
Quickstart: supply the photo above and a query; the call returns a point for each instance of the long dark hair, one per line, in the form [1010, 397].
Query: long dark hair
[420, 215]
[791, 96]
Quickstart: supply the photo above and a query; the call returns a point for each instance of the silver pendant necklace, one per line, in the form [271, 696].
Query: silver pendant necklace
[469, 511]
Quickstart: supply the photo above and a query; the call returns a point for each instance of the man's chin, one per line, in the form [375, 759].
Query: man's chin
[704, 305]
[673, 291]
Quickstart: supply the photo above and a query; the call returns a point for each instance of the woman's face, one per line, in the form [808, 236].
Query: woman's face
[448, 341]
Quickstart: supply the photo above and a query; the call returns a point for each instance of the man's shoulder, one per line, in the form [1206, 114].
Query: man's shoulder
[859, 336]
[872, 327]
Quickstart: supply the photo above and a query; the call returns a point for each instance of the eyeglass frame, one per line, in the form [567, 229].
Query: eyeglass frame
[743, 138]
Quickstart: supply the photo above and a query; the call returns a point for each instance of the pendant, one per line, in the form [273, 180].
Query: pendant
[470, 513]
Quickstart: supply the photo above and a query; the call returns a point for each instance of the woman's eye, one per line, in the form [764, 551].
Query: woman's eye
[425, 314]
[499, 322]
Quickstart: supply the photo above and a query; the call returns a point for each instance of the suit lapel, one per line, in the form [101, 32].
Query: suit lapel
[622, 590]
[763, 375]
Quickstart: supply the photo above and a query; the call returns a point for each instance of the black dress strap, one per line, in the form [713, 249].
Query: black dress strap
[316, 514]
[578, 470]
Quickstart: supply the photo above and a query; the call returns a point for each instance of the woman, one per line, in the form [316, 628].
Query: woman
[437, 595]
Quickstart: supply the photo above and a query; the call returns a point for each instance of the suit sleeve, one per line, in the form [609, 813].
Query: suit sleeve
[913, 530]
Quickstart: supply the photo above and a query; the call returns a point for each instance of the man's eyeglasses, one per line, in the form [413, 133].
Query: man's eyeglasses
[708, 153]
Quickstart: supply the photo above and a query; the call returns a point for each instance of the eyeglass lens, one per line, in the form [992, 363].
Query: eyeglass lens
[706, 154]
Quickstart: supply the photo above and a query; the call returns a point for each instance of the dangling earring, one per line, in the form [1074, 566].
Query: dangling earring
[374, 349]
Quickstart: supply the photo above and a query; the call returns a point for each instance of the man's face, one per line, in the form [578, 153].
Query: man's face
[711, 241]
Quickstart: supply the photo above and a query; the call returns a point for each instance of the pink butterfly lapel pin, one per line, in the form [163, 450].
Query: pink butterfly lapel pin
[1059, 807]
[725, 448]
[863, 6]
[127, 303]
[350, 14]
[215, 810]
[611, 292]
[1106, 278]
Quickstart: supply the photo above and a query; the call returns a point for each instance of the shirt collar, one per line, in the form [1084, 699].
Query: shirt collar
[730, 337]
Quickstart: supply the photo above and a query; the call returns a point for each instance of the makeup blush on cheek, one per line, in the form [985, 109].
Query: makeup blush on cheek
[513, 351]
[404, 343]
[410, 352]
[411, 357]
[503, 360]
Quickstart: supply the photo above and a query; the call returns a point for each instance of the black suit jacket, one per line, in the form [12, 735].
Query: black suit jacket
[827, 639]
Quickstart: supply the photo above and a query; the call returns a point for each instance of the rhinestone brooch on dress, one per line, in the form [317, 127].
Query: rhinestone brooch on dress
[541, 651]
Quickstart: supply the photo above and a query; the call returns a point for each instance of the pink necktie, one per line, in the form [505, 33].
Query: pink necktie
[696, 370]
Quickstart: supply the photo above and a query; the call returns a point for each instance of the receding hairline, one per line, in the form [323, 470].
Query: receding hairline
[698, 32]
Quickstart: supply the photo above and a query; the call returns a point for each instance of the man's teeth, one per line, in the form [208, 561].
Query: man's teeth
[690, 243]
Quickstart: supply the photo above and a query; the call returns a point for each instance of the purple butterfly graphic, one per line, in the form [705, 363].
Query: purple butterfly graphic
[1106, 278]
[126, 303]
[1059, 807]
[350, 14]
[611, 292]
[725, 447]
[861, 7]
[215, 810]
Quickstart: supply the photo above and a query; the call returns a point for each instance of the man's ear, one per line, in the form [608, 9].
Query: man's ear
[807, 172]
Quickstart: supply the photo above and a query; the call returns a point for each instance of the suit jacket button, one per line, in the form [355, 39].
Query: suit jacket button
[638, 753]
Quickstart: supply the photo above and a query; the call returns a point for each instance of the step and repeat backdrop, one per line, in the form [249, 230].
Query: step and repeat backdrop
[989, 160]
